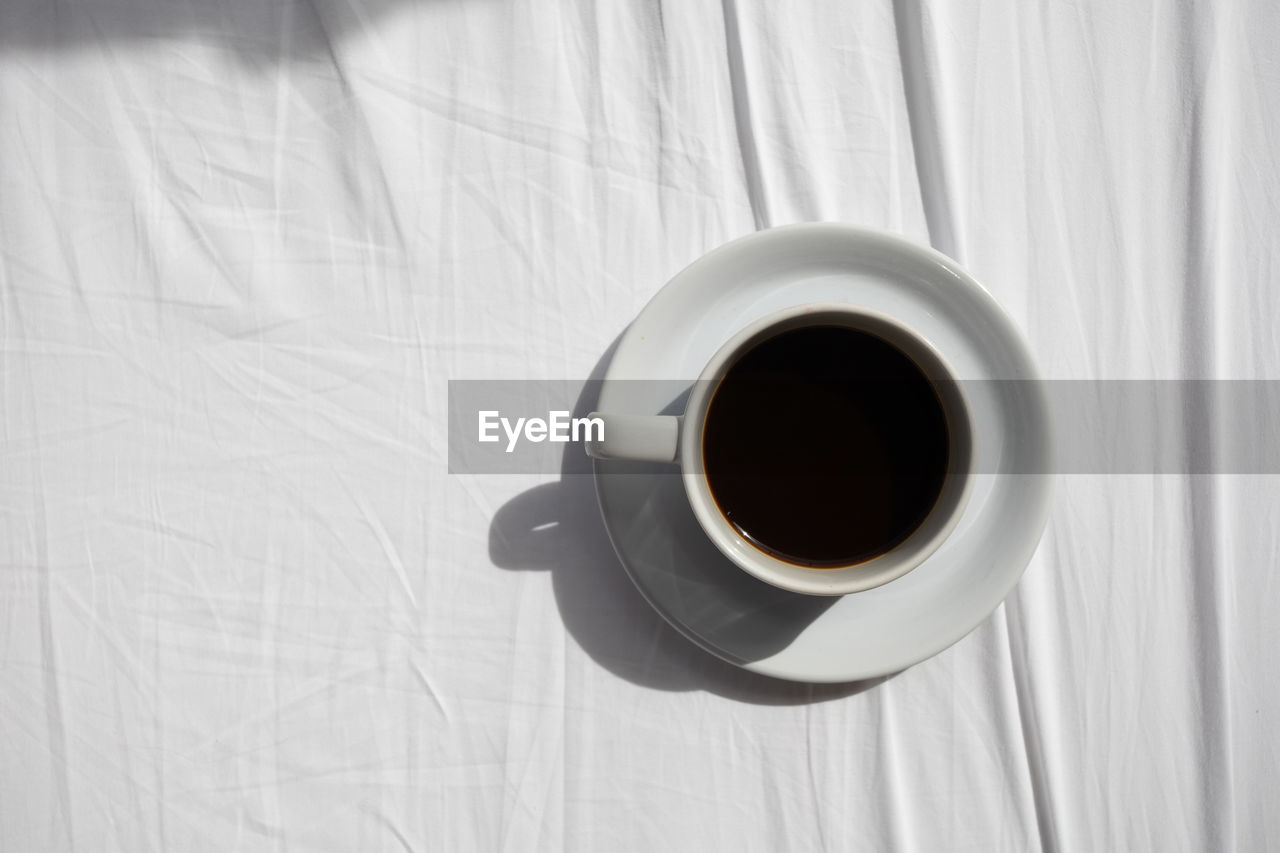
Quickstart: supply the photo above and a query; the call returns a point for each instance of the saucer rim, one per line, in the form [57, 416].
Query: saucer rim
[1034, 517]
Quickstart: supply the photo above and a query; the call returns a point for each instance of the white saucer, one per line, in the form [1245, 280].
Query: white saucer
[866, 634]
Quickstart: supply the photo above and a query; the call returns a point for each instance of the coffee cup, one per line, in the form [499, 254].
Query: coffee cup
[825, 449]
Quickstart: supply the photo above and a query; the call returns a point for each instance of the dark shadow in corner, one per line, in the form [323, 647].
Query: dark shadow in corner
[250, 30]
[557, 527]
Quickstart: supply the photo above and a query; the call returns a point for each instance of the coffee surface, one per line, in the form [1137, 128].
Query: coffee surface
[825, 446]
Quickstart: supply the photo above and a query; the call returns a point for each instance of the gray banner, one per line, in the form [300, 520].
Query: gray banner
[1098, 426]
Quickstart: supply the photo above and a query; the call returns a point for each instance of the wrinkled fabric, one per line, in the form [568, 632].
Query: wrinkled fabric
[245, 245]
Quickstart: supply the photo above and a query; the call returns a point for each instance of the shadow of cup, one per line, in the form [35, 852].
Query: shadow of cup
[557, 527]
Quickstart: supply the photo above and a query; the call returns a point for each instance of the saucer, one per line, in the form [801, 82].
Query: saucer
[866, 634]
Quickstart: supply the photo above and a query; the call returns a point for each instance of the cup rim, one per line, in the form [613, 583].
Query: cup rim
[927, 537]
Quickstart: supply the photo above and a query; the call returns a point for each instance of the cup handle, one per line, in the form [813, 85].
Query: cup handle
[639, 438]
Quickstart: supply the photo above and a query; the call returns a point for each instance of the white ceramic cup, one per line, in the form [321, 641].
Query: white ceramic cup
[679, 439]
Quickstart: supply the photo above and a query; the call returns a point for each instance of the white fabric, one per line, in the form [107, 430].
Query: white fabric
[244, 245]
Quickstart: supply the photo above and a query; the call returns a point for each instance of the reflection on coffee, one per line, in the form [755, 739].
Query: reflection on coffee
[825, 446]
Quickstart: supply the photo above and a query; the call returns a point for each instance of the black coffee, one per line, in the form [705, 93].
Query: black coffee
[825, 446]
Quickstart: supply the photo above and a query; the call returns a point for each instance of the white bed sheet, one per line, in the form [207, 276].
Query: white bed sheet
[244, 245]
